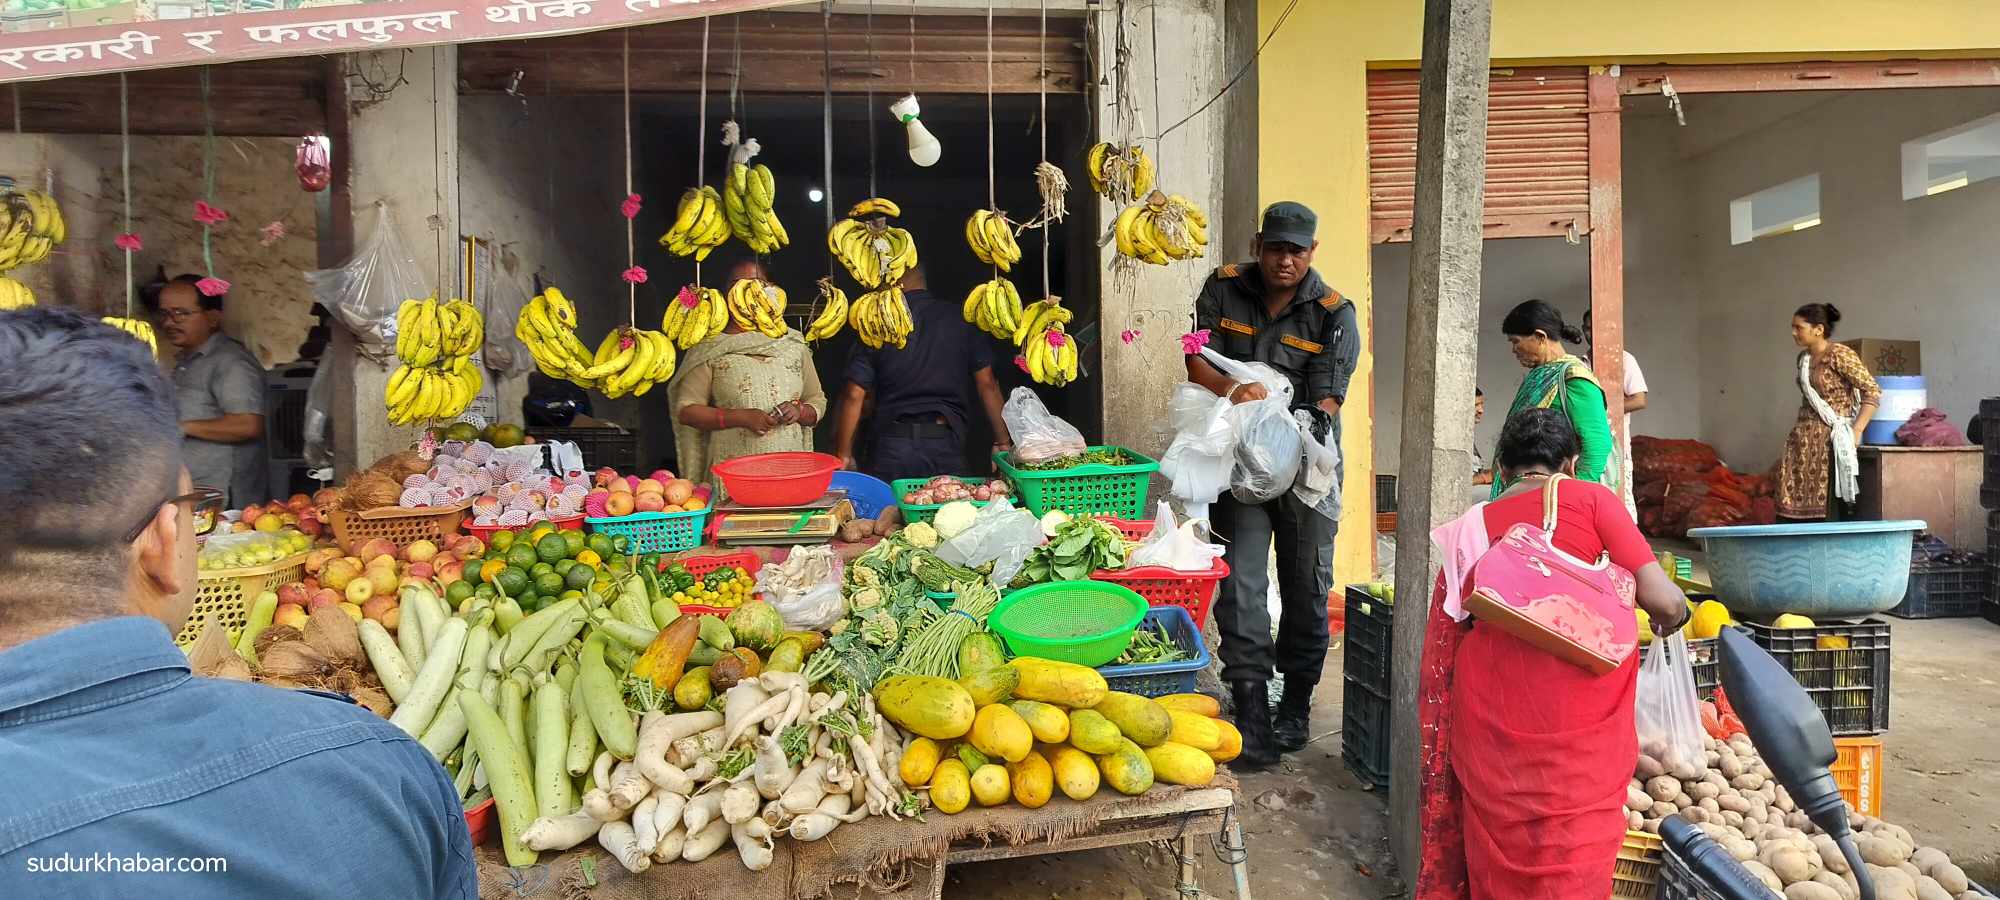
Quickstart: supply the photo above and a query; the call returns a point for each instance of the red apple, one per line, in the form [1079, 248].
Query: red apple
[469, 548]
[377, 606]
[251, 514]
[375, 547]
[360, 589]
[392, 617]
[620, 503]
[661, 475]
[451, 572]
[649, 501]
[290, 614]
[412, 581]
[323, 596]
[293, 592]
[298, 502]
[311, 583]
[310, 525]
[649, 484]
[604, 476]
[421, 571]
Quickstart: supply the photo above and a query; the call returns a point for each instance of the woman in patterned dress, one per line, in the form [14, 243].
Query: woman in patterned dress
[1849, 394]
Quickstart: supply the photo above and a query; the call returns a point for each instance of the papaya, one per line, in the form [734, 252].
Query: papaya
[1048, 723]
[1127, 769]
[1231, 741]
[979, 651]
[1075, 772]
[1180, 764]
[1090, 732]
[999, 731]
[995, 685]
[1195, 731]
[1060, 683]
[989, 785]
[1138, 718]
[666, 657]
[1199, 704]
[951, 787]
[1033, 780]
[936, 708]
[919, 762]
[694, 691]
[788, 656]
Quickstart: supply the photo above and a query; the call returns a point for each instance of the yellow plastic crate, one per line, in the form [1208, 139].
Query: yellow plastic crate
[224, 595]
[1638, 866]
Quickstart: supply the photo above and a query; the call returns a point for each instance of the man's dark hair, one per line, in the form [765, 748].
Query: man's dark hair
[1537, 437]
[194, 281]
[89, 442]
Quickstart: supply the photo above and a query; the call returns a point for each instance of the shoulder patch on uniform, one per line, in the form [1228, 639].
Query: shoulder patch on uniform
[1228, 270]
[1302, 344]
[1233, 325]
[1332, 300]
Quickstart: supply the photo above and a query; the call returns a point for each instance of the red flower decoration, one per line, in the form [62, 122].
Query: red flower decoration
[1021, 362]
[212, 287]
[129, 242]
[1056, 338]
[209, 215]
[635, 275]
[688, 297]
[272, 233]
[1193, 341]
[1129, 335]
[630, 207]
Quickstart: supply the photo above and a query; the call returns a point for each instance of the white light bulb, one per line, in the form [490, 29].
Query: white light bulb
[815, 195]
[924, 147]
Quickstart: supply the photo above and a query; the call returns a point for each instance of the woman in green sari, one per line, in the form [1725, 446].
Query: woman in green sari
[1558, 379]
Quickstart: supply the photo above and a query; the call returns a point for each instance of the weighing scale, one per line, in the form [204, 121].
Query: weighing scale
[817, 522]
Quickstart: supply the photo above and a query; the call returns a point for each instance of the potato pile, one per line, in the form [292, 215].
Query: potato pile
[1736, 801]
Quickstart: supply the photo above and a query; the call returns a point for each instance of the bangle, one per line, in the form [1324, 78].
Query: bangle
[721, 419]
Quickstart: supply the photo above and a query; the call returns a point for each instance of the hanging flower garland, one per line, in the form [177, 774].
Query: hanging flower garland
[1193, 341]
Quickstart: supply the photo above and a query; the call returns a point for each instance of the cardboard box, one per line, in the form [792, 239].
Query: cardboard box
[22, 23]
[1885, 357]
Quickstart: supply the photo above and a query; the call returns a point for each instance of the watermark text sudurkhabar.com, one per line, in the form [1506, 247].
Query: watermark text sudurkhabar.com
[123, 863]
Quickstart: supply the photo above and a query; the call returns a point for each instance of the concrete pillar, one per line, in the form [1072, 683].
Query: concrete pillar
[403, 152]
[1441, 359]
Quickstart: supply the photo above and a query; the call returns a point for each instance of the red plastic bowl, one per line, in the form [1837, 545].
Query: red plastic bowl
[777, 479]
[479, 821]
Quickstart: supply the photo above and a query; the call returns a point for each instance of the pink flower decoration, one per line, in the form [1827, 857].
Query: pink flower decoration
[128, 241]
[1056, 338]
[212, 287]
[688, 297]
[1193, 341]
[1129, 335]
[630, 207]
[1021, 362]
[272, 233]
[635, 275]
[209, 215]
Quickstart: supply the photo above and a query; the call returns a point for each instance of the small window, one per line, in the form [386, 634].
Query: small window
[1792, 206]
[1951, 159]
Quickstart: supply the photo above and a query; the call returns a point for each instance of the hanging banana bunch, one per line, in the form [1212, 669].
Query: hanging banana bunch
[875, 206]
[758, 305]
[630, 361]
[694, 315]
[31, 224]
[881, 318]
[995, 307]
[426, 393]
[746, 202]
[1120, 174]
[992, 240]
[876, 253]
[1161, 230]
[437, 378]
[547, 327]
[700, 225]
[14, 294]
[833, 311]
[138, 328]
[1049, 351]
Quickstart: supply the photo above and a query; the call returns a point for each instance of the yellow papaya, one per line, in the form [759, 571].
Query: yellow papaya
[1061, 683]
[994, 685]
[1127, 770]
[936, 708]
[999, 731]
[989, 785]
[1199, 704]
[1091, 732]
[1033, 780]
[1050, 725]
[1195, 731]
[919, 762]
[1138, 718]
[1231, 742]
[1075, 772]
[951, 787]
[1180, 764]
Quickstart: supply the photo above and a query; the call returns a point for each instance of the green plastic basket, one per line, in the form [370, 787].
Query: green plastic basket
[1084, 622]
[1086, 490]
[914, 513]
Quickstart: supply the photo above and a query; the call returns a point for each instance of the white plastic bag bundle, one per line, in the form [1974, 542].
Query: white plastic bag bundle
[1666, 712]
[1267, 452]
[365, 291]
[1198, 461]
[999, 534]
[1039, 435]
[1318, 485]
[1180, 547]
[805, 588]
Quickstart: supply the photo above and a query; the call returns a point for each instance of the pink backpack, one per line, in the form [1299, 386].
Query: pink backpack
[1581, 612]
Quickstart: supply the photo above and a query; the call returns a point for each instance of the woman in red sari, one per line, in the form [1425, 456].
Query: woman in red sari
[1526, 756]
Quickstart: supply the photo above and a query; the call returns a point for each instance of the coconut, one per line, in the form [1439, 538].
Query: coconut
[334, 635]
[276, 634]
[370, 490]
[373, 698]
[295, 660]
[232, 667]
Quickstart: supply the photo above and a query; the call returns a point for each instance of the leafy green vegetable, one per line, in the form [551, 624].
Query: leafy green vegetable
[1080, 546]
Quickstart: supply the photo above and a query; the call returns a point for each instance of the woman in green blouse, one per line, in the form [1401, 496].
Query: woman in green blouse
[1557, 379]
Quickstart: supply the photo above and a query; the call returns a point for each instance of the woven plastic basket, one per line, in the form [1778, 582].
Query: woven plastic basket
[1636, 874]
[1085, 622]
[924, 512]
[654, 532]
[1086, 490]
[776, 479]
[224, 595]
[1161, 586]
[700, 566]
[1161, 679]
[396, 524]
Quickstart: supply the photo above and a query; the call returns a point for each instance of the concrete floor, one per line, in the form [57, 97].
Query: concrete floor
[1314, 832]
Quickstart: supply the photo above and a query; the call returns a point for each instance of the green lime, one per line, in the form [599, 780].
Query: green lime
[502, 540]
[552, 548]
[601, 544]
[511, 581]
[548, 584]
[578, 577]
[574, 542]
[564, 565]
[486, 591]
[571, 595]
[522, 556]
[458, 591]
[539, 569]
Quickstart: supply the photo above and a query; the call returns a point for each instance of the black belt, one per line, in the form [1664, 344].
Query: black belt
[916, 430]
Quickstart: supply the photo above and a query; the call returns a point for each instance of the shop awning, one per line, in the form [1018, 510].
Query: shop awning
[59, 43]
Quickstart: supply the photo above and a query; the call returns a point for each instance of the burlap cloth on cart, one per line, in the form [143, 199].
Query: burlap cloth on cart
[874, 853]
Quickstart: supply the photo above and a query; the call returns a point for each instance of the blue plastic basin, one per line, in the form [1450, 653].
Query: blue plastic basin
[1835, 570]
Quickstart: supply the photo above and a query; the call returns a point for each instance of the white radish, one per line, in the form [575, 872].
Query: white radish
[739, 803]
[623, 842]
[669, 847]
[600, 769]
[807, 790]
[701, 810]
[628, 786]
[560, 832]
[686, 750]
[667, 811]
[645, 833]
[755, 718]
[739, 704]
[753, 843]
[702, 844]
[773, 771]
[597, 805]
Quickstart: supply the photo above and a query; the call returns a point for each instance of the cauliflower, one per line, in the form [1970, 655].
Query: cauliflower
[922, 535]
[865, 576]
[954, 518]
[839, 627]
[880, 629]
[866, 598]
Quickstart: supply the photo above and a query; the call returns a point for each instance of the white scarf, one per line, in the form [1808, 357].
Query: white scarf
[1846, 459]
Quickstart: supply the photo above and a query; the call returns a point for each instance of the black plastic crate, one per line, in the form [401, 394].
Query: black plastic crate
[1677, 881]
[1850, 684]
[285, 416]
[1940, 591]
[1385, 493]
[601, 447]
[1366, 651]
[1364, 735]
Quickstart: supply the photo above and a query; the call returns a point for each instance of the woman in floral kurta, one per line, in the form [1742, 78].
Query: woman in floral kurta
[1841, 379]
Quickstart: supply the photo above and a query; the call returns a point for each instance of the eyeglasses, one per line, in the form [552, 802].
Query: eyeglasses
[206, 503]
[175, 315]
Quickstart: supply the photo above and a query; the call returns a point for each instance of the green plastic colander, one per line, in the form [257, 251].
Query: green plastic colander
[1084, 622]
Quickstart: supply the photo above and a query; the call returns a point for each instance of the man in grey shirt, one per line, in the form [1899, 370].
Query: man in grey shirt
[219, 387]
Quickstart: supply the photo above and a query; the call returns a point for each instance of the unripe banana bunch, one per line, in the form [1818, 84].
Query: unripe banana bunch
[881, 318]
[427, 393]
[1121, 174]
[138, 328]
[15, 295]
[1051, 356]
[547, 327]
[630, 361]
[427, 332]
[30, 226]
[992, 240]
[833, 311]
[694, 315]
[700, 225]
[876, 253]
[995, 307]
[746, 202]
[1161, 230]
[1038, 318]
[758, 305]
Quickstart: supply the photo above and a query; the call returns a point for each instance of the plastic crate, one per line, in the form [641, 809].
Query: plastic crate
[1850, 684]
[396, 524]
[224, 595]
[1365, 655]
[1677, 881]
[1161, 679]
[1857, 771]
[924, 512]
[1636, 873]
[1385, 493]
[1385, 523]
[601, 447]
[1161, 586]
[700, 566]
[1707, 666]
[1943, 591]
[654, 532]
[1364, 734]
[485, 533]
[1086, 490]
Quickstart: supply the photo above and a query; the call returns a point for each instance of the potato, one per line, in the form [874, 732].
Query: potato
[1732, 819]
[1829, 854]
[1881, 850]
[1733, 802]
[1894, 831]
[1741, 849]
[1842, 888]
[1751, 828]
[1685, 771]
[1785, 861]
[1694, 815]
[1764, 874]
[1929, 889]
[1748, 781]
[1730, 766]
[1661, 809]
[1637, 799]
[1951, 877]
[1711, 757]
[1663, 787]
[1810, 890]
[1784, 800]
[1708, 803]
[1702, 790]
[1892, 883]
[1928, 858]
[1650, 826]
[1648, 768]
[1634, 821]
[1797, 820]
[1912, 871]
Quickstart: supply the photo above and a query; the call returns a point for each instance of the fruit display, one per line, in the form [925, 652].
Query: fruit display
[612, 494]
[995, 307]
[992, 239]
[1161, 229]
[694, 315]
[323, 650]
[757, 305]
[535, 567]
[881, 318]
[630, 361]
[1119, 174]
[833, 309]
[298, 513]
[700, 225]
[437, 378]
[505, 490]
[746, 203]
[253, 548]
[876, 253]
[15, 295]
[31, 224]
[138, 328]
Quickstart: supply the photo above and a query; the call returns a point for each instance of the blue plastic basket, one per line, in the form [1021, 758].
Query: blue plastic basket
[870, 495]
[1161, 679]
[654, 532]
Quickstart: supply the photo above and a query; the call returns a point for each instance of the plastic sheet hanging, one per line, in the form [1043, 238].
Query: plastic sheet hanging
[364, 292]
[318, 438]
[500, 301]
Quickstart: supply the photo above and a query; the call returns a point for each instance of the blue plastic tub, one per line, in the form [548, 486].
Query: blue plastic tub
[870, 495]
[1161, 679]
[1835, 570]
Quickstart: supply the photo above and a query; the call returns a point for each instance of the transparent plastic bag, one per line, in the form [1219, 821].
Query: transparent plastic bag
[999, 534]
[500, 301]
[1039, 435]
[805, 588]
[1198, 460]
[1666, 711]
[1267, 451]
[364, 292]
[319, 404]
[1176, 546]
[1318, 484]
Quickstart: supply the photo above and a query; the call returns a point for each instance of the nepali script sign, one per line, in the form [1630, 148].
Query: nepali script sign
[61, 42]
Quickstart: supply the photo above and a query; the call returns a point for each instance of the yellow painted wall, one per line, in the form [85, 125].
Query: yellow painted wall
[1312, 95]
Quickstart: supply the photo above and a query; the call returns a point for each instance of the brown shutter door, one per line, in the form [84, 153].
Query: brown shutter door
[1537, 153]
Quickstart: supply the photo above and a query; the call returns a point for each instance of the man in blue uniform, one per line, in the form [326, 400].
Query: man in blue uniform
[1277, 311]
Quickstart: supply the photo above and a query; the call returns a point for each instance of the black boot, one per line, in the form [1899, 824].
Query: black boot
[1293, 720]
[1253, 720]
